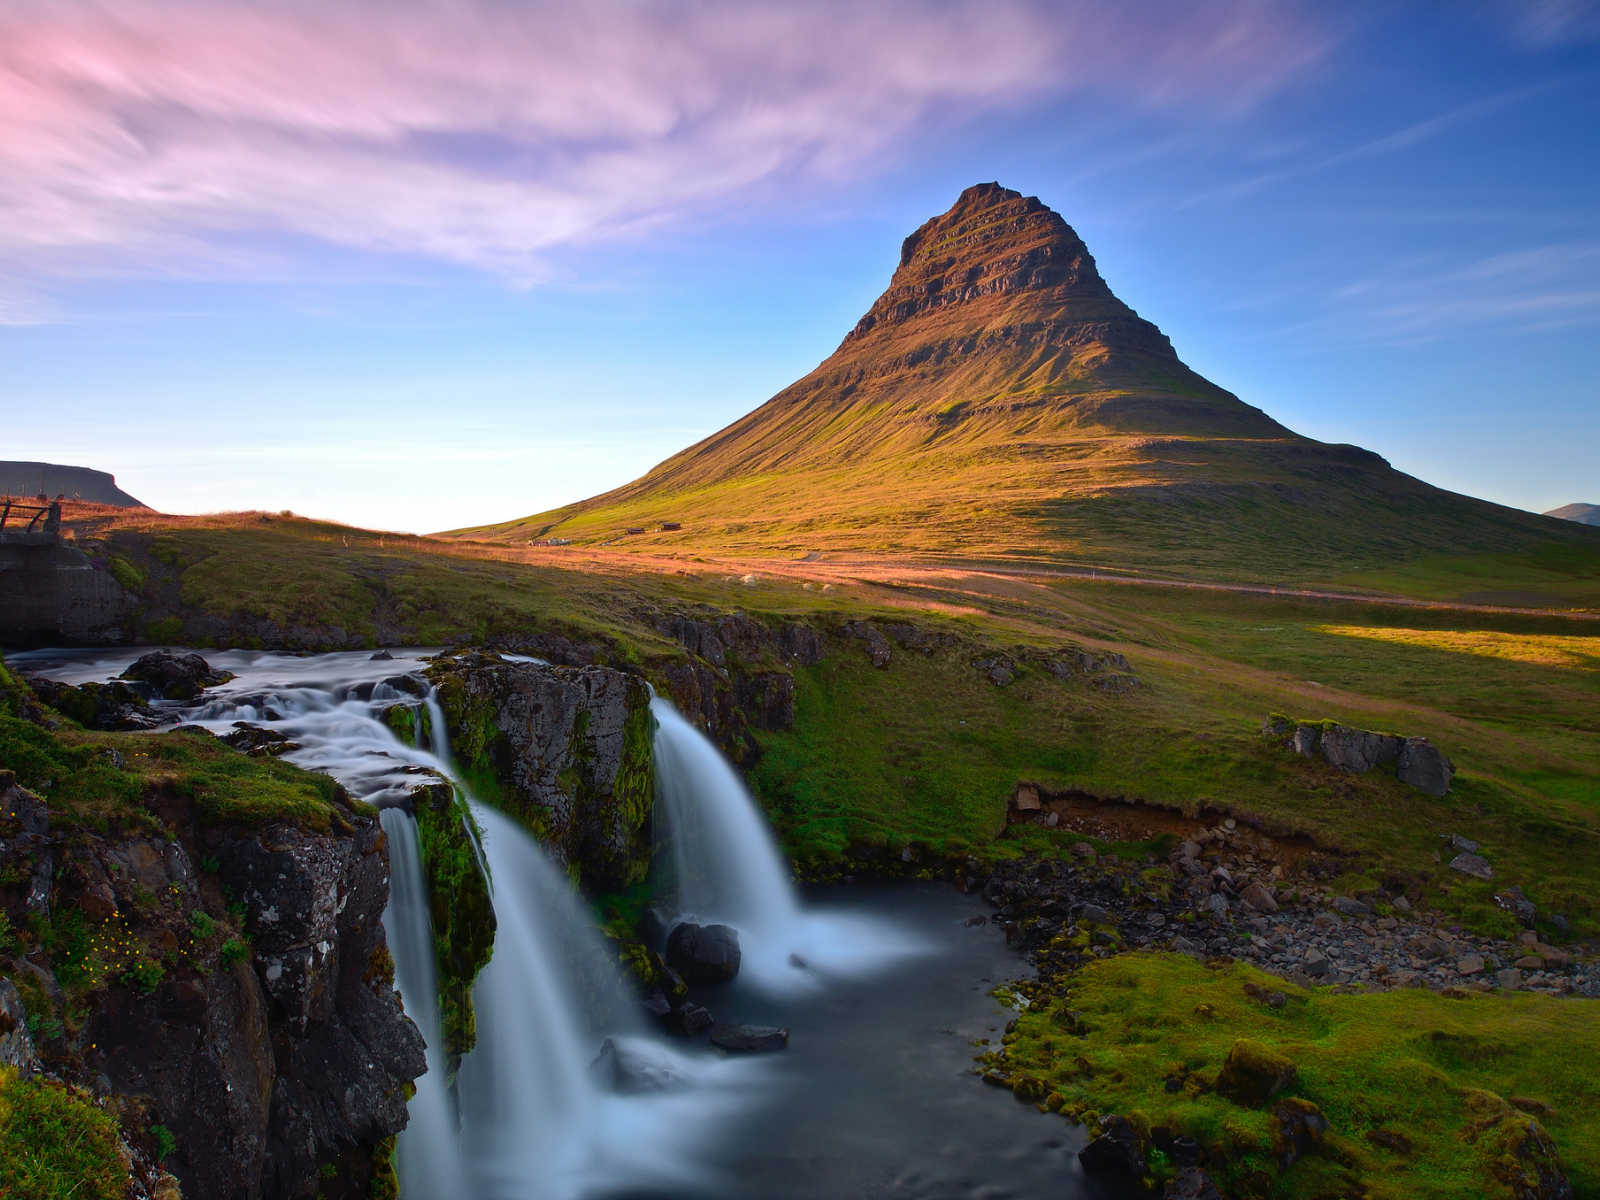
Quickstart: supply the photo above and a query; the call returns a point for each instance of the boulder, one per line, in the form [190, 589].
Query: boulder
[1350, 907]
[1259, 898]
[1216, 904]
[749, 1039]
[1315, 963]
[629, 1066]
[1358, 750]
[1253, 1074]
[176, 676]
[1472, 864]
[1525, 1161]
[1424, 767]
[1297, 1129]
[1518, 905]
[1118, 1150]
[1191, 1183]
[703, 953]
[1470, 964]
[1510, 978]
[1306, 739]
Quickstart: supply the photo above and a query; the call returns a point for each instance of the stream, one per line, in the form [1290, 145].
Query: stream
[884, 988]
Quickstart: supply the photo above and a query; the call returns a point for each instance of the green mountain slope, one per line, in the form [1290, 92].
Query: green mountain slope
[999, 402]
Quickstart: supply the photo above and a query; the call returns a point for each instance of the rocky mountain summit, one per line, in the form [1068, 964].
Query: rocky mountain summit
[999, 399]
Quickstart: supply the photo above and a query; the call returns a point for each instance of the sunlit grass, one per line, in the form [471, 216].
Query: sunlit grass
[1545, 650]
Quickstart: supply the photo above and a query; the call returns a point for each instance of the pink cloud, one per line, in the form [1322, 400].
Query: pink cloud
[489, 133]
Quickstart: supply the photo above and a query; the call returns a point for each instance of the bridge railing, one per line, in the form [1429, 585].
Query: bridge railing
[29, 523]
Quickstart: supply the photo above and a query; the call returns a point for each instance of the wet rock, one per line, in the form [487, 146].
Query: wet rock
[16, 1046]
[1358, 750]
[1297, 1129]
[258, 741]
[703, 953]
[749, 1039]
[1117, 1150]
[382, 656]
[1253, 1074]
[1191, 1183]
[687, 1020]
[1424, 767]
[629, 1066]
[1473, 865]
[176, 676]
[571, 746]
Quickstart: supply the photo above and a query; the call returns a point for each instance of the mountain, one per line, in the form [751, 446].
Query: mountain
[29, 479]
[1584, 514]
[999, 402]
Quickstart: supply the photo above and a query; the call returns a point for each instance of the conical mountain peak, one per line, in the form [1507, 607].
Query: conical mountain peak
[993, 241]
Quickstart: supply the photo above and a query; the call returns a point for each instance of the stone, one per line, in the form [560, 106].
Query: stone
[1457, 842]
[1297, 1129]
[1473, 865]
[1216, 904]
[1525, 1161]
[687, 1020]
[1306, 739]
[1253, 1074]
[1518, 905]
[703, 953]
[1530, 962]
[877, 646]
[1424, 767]
[1191, 1183]
[1510, 978]
[749, 1039]
[1358, 750]
[176, 676]
[1350, 907]
[1470, 964]
[1259, 898]
[1094, 914]
[1084, 851]
[1117, 1150]
[382, 656]
[629, 1066]
[1315, 963]
[1424, 946]
[1402, 904]
[16, 1045]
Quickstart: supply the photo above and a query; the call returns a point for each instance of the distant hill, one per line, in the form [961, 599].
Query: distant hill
[52, 479]
[999, 402]
[1584, 514]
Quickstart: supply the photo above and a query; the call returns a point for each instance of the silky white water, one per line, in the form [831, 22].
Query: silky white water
[726, 869]
[526, 1118]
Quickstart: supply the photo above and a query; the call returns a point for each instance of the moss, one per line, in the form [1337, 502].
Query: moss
[1413, 1068]
[385, 1182]
[55, 1144]
[460, 905]
[128, 575]
[402, 721]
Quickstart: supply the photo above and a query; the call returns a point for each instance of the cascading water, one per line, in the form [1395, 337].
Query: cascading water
[526, 1119]
[726, 868]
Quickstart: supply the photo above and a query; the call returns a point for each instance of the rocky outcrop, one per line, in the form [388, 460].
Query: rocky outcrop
[1417, 761]
[271, 1045]
[176, 676]
[570, 749]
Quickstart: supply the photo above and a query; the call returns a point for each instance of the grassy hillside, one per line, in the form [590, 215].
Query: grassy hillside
[999, 403]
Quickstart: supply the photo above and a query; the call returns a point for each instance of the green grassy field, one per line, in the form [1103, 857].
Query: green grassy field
[1443, 1083]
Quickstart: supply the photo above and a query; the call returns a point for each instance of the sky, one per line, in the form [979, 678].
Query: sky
[417, 265]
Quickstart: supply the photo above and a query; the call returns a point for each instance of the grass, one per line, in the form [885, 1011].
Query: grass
[55, 1144]
[1432, 1070]
[75, 772]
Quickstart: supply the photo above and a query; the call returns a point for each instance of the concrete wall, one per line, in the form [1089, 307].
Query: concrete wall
[53, 594]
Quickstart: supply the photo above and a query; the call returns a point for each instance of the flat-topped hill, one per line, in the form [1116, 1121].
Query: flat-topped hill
[999, 402]
[30, 479]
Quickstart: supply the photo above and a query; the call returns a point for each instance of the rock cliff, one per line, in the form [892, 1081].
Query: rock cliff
[221, 985]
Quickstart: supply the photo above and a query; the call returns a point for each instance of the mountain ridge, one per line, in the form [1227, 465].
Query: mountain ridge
[999, 399]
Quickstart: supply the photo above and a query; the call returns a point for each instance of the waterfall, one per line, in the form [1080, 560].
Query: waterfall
[427, 1154]
[527, 1117]
[725, 867]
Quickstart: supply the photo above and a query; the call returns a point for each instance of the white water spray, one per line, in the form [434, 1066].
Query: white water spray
[727, 869]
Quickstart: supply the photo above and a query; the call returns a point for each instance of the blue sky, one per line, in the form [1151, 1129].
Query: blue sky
[417, 265]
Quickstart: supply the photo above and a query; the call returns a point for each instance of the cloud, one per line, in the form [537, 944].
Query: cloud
[490, 134]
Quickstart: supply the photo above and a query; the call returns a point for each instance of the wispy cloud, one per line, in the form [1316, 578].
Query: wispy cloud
[488, 134]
